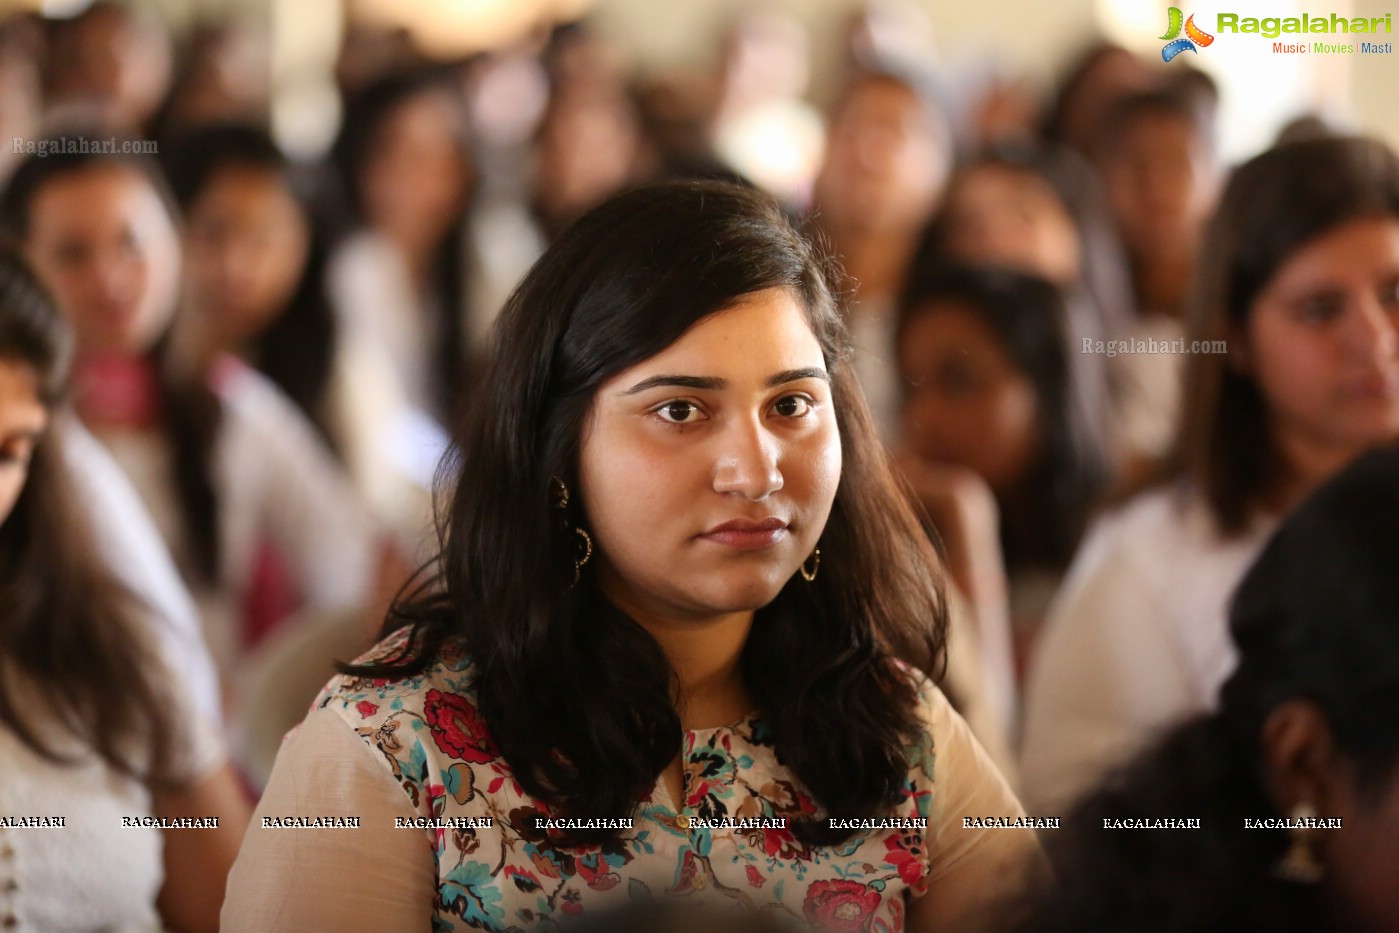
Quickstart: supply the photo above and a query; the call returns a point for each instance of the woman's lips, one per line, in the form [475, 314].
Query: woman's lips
[745, 535]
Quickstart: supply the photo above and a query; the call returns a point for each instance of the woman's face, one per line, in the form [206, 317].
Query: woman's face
[1161, 180]
[105, 245]
[1323, 340]
[415, 180]
[22, 420]
[1001, 216]
[886, 162]
[246, 244]
[707, 472]
[967, 403]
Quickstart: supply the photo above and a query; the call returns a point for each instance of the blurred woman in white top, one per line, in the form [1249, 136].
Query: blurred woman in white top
[100, 732]
[1300, 280]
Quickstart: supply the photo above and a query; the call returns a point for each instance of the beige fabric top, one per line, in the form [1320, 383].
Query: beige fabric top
[416, 748]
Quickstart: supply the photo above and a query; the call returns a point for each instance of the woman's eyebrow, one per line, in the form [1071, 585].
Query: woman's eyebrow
[714, 383]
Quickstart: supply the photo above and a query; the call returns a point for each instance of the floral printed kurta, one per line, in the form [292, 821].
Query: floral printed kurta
[508, 876]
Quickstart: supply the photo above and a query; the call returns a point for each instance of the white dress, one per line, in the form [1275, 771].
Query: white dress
[1136, 641]
[92, 873]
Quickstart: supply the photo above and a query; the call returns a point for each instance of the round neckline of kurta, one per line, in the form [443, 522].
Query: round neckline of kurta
[734, 726]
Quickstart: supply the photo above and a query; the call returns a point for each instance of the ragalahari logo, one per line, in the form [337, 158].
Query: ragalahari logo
[1194, 35]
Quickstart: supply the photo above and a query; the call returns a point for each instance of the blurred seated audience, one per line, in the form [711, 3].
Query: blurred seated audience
[256, 247]
[888, 153]
[97, 722]
[1039, 212]
[1157, 155]
[1302, 293]
[260, 518]
[1304, 734]
[987, 389]
[110, 66]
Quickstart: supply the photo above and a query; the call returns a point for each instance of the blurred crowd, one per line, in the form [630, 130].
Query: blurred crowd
[1098, 411]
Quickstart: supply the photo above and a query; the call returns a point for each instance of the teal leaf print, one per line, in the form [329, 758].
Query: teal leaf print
[469, 892]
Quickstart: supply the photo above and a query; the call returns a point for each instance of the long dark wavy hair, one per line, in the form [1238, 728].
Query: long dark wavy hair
[1225, 445]
[1026, 314]
[66, 625]
[192, 413]
[580, 698]
[1313, 619]
[297, 349]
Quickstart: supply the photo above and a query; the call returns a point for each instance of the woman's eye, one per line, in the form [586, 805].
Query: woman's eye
[1320, 309]
[679, 412]
[792, 406]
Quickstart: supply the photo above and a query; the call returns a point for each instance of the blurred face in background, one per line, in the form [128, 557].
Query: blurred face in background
[1161, 179]
[22, 421]
[1003, 216]
[104, 244]
[116, 59]
[886, 161]
[967, 403]
[415, 179]
[587, 150]
[1322, 341]
[246, 244]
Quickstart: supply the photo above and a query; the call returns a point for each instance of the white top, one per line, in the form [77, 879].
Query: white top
[276, 482]
[1149, 388]
[92, 873]
[137, 557]
[1136, 641]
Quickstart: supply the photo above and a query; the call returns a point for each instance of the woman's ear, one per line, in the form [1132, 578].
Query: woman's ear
[1302, 763]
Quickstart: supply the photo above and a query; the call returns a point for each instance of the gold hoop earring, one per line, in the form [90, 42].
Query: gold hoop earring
[1299, 864]
[810, 575]
[560, 489]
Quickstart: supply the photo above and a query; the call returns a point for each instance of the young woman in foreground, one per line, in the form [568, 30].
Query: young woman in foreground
[677, 583]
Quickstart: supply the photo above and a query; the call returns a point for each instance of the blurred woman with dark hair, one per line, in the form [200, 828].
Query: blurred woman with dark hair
[678, 584]
[988, 391]
[888, 154]
[1305, 734]
[409, 278]
[96, 721]
[256, 246]
[1304, 293]
[251, 504]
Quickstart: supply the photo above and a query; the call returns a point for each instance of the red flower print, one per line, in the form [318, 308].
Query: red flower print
[906, 854]
[841, 906]
[755, 877]
[457, 728]
[366, 709]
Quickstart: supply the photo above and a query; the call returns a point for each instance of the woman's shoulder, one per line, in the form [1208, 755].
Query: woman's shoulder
[360, 696]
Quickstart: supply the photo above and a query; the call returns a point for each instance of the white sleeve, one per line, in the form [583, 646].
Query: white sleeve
[135, 554]
[1108, 670]
[305, 500]
[374, 877]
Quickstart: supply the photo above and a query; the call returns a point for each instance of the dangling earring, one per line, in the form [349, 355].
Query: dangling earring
[586, 544]
[810, 575]
[1299, 864]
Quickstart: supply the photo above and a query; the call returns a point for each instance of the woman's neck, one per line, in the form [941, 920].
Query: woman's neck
[1306, 463]
[875, 260]
[706, 656]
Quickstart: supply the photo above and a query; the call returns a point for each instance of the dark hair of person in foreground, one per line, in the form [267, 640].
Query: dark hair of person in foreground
[1307, 717]
[580, 698]
[67, 625]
